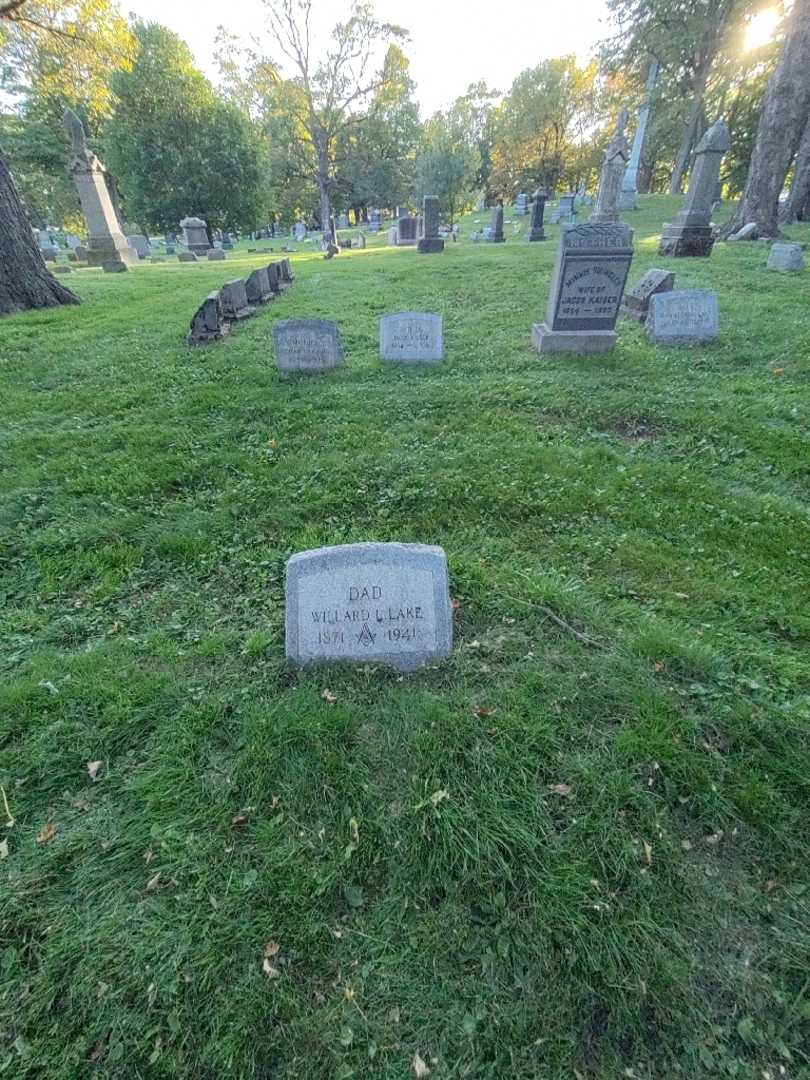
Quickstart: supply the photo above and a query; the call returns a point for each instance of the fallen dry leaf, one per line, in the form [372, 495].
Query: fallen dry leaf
[153, 882]
[274, 802]
[777, 370]
[420, 1067]
[560, 789]
[439, 796]
[242, 817]
[148, 856]
[647, 853]
[47, 832]
[93, 768]
[271, 949]
[3, 849]
[484, 711]
[660, 665]
[270, 971]
[98, 1051]
[328, 696]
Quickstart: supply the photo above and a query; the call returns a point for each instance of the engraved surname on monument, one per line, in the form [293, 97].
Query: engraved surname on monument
[590, 292]
[366, 608]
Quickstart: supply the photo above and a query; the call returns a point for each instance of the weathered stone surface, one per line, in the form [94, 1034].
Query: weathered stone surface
[683, 317]
[589, 276]
[208, 323]
[274, 277]
[361, 241]
[186, 256]
[233, 295]
[140, 245]
[156, 259]
[195, 235]
[114, 266]
[691, 232]
[430, 242]
[307, 345]
[537, 232]
[787, 258]
[215, 255]
[637, 300]
[747, 232]
[614, 165]
[286, 272]
[63, 270]
[412, 337]
[385, 603]
[406, 231]
[497, 236]
[522, 204]
[81, 253]
[258, 288]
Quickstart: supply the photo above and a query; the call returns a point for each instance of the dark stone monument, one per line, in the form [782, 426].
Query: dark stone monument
[590, 272]
[209, 323]
[537, 232]
[637, 300]
[233, 295]
[691, 233]
[497, 236]
[406, 231]
[431, 243]
[257, 287]
[274, 278]
[614, 166]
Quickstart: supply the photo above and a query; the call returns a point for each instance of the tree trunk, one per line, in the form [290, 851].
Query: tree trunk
[691, 133]
[781, 123]
[798, 204]
[25, 281]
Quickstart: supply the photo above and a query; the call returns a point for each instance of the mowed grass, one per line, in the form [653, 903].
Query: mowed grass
[429, 886]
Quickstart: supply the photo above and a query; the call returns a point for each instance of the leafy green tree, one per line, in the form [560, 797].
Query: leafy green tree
[176, 147]
[247, 78]
[449, 164]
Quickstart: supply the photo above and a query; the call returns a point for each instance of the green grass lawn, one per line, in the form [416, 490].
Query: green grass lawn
[431, 888]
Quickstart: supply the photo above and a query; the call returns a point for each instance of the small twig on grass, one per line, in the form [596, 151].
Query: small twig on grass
[563, 625]
[9, 815]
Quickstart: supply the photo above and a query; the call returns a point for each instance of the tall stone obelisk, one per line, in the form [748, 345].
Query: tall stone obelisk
[691, 232]
[106, 242]
[627, 197]
[606, 209]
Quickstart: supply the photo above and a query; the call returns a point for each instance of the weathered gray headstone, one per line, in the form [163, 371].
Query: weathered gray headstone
[522, 204]
[106, 242]
[114, 266]
[430, 243]
[637, 300]
[614, 165]
[233, 295]
[385, 603]
[307, 344]
[63, 270]
[81, 253]
[274, 277]
[683, 317]
[590, 273]
[412, 337]
[286, 272]
[627, 195]
[691, 232]
[787, 258]
[195, 235]
[497, 236]
[747, 232]
[257, 287]
[536, 232]
[186, 256]
[361, 240]
[209, 323]
[215, 254]
[140, 245]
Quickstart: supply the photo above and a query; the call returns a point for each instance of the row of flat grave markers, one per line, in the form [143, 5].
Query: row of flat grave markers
[312, 345]
[587, 293]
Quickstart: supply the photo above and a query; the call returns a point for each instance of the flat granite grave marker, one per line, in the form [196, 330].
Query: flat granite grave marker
[388, 603]
[307, 345]
[683, 317]
[786, 258]
[412, 337]
[637, 300]
[590, 272]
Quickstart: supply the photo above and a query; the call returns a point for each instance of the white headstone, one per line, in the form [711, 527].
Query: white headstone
[683, 317]
[412, 337]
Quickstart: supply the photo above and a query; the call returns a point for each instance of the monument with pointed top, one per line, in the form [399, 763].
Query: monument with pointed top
[106, 242]
[627, 195]
[691, 233]
[606, 210]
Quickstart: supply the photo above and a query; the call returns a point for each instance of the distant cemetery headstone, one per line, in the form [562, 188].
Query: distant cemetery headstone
[140, 245]
[386, 603]
[186, 256]
[522, 204]
[215, 254]
[375, 222]
[114, 266]
[691, 232]
[195, 235]
[412, 337]
[497, 236]
[683, 317]
[81, 253]
[233, 295]
[343, 221]
[73, 241]
[787, 258]
[614, 165]
[274, 277]
[406, 231]
[63, 270]
[536, 232]
[299, 231]
[257, 287]
[637, 300]
[307, 345]
[227, 242]
[361, 240]
[590, 272]
[430, 243]
[209, 323]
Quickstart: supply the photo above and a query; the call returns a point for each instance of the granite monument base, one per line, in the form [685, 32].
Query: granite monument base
[430, 245]
[572, 341]
[687, 240]
[537, 234]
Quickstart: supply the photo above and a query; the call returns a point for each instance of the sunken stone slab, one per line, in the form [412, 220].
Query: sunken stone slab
[388, 603]
[786, 258]
[637, 300]
[307, 344]
[683, 317]
[114, 266]
[186, 256]
[215, 255]
[412, 337]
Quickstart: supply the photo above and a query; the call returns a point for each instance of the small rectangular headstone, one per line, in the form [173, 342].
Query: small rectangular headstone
[114, 266]
[274, 277]
[637, 300]
[412, 337]
[683, 317]
[215, 254]
[787, 258]
[235, 300]
[257, 287]
[307, 344]
[186, 256]
[373, 602]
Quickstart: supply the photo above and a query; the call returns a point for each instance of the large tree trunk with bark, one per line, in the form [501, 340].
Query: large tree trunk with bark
[25, 281]
[797, 207]
[781, 123]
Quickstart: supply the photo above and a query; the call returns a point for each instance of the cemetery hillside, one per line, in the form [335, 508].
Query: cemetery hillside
[404, 548]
